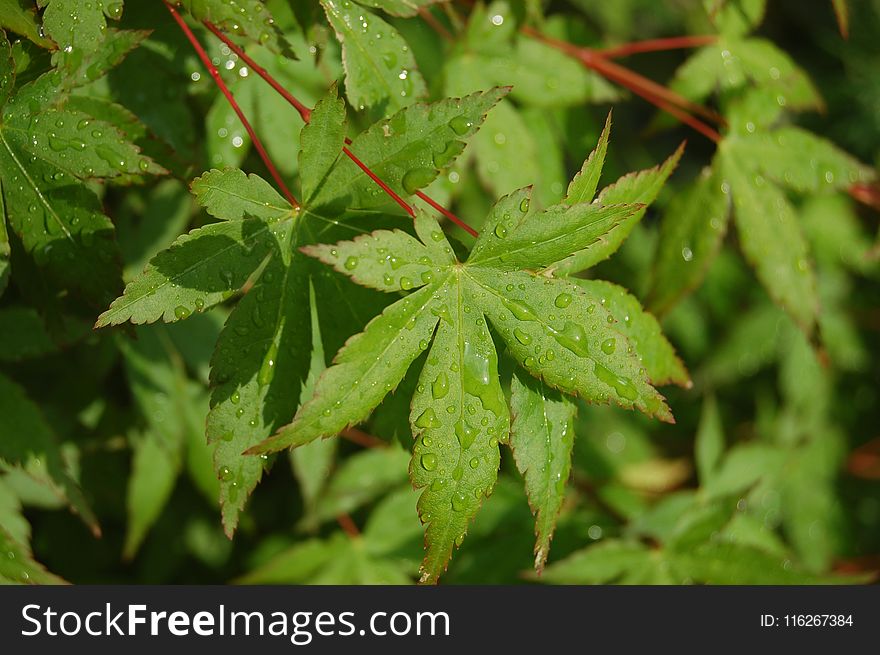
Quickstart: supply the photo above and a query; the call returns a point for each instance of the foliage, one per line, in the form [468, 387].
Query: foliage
[241, 350]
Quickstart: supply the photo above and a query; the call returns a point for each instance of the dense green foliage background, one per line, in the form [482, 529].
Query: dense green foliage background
[770, 473]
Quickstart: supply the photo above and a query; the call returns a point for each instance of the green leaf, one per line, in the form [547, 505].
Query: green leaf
[258, 368]
[359, 480]
[20, 16]
[199, 270]
[643, 332]
[399, 7]
[493, 53]
[709, 445]
[18, 566]
[322, 141]
[406, 151]
[167, 400]
[736, 17]
[369, 366]
[552, 328]
[691, 232]
[250, 18]
[380, 69]
[771, 239]
[727, 564]
[387, 261]
[42, 151]
[78, 24]
[28, 443]
[799, 160]
[230, 195]
[734, 62]
[459, 415]
[582, 187]
[542, 436]
[505, 150]
[312, 463]
[512, 238]
[641, 187]
[604, 562]
[24, 335]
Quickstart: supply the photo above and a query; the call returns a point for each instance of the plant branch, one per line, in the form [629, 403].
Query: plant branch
[667, 100]
[362, 438]
[868, 194]
[656, 45]
[348, 525]
[306, 114]
[435, 24]
[218, 79]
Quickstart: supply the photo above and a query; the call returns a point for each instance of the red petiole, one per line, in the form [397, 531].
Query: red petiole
[215, 74]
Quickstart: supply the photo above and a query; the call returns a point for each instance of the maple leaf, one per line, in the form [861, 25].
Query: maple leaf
[263, 353]
[46, 150]
[249, 18]
[563, 332]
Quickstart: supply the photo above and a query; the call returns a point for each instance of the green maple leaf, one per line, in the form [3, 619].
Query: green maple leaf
[562, 332]
[263, 353]
[46, 149]
[379, 66]
[404, 8]
[248, 18]
[78, 25]
[29, 444]
[736, 60]
[757, 162]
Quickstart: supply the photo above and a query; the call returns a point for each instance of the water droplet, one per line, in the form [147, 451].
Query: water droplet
[459, 502]
[428, 419]
[427, 277]
[687, 254]
[429, 461]
[477, 380]
[416, 178]
[522, 336]
[573, 338]
[225, 474]
[524, 205]
[622, 385]
[450, 151]
[465, 433]
[520, 310]
[351, 263]
[437, 235]
[405, 283]
[267, 369]
[440, 386]
[235, 398]
[475, 462]
[181, 312]
[609, 346]
[563, 300]
[500, 231]
[460, 125]
[114, 10]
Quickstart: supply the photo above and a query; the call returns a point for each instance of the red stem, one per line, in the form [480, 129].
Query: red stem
[362, 438]
[387, 189]
[206, 60]
[656, 45]
[348, 526]
[306, 114]
[667, 100]
[868, 194]
[304, 111]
